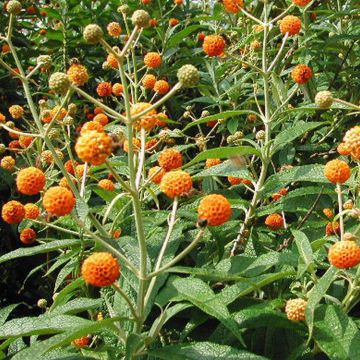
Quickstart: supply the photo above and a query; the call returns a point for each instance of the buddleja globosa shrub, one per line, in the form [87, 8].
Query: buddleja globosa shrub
[187, 173]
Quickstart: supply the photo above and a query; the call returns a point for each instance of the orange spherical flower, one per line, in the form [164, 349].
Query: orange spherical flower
[61, 113]
[215, 209]
[92, 126]
[234, 180]
[295, 309]
[344, 254]
[64, 182]
[2, 118]
[100, 269]
[214, 45]
[32, 211]
[146, 2]
[161, 117]
[81, 342]
[104, 89]
[112, 61]
[328, 213]
[274, 221]
[156, 174]
[332, 228]
[114, 29]
[279, 194]
[152, 60]
[13, 212]
[58, 201]
[252, 117]
[173, 22]
[69, 166]
[16, 111]
[98, 110]
[212, 162]
[79, 170]
[161, 87]
[176, 183]
[30, 181]
[352, 141]
[342, 149]
[170, 159]
[7, 163]
[14, 135]
[337, 171]
[150, 144]
[149, 81]
[136, 145]
[153, 22]
[93, 147]
[78, 74]
[25, 141]
[5, 48]
[102, 119]
[147, 121]
[117, 233]
[27, 236]
[301, 74]
[106, 184]
[117, 89]
[14, 145]
[301, 2]
[233, 6]
[178, 2]
[201, 37]
[290, 24]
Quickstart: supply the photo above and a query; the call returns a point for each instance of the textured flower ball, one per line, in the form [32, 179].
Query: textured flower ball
[147, 121]
[280, 194]
[104, 89]
[14, 145]
[337, 171]
[290, 24]
[176, 183]
[32, 211]
[233, 6]
[301, 74]
[156, 174]
[140, 18]
[274, 221]
[295, 309]
[69, 166]
[152, 60]
[214, 45]
[352, 141]
[344, 254]
[114, 29]
[301, 2]
[329, 213]
[178, 2]
[58, 201]
[16, 111]
[343, 149]
[170, 159]
[78, 74]
[117, 89]
[59, 83]
[93, 147]
[149, 81]
[215, 209]
[153, 22]
[106, 184]
[27, 236]
[81, 342]
[332, 228]
[30, 181]
[7, 163]
[25, 141]
[161, 87]
[212, 162]
[324, 99]
[102, 119]
[136, 145]
[100, 269]
[93, 33]
[161, 117]
[91, 126]
[201, 37]
[64, 183]
[188, 76]
[173, 22]
[234, 180]
[112, 61]
[13, 212]
[13, 7]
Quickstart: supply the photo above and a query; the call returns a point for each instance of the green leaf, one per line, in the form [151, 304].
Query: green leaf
[336, 333]
[43, 324]
[223, 153]
[227, 168]
[316, 294]
[39, 249]
[222, 115]
[203, 351]
[183, 34]
[199, 294]
[66, 291]
[293, 132]
[5, 312]
[305, 250]
[77, 305]
[82, 209]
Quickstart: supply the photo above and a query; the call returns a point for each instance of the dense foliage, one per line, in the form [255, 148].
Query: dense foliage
[180, 179]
